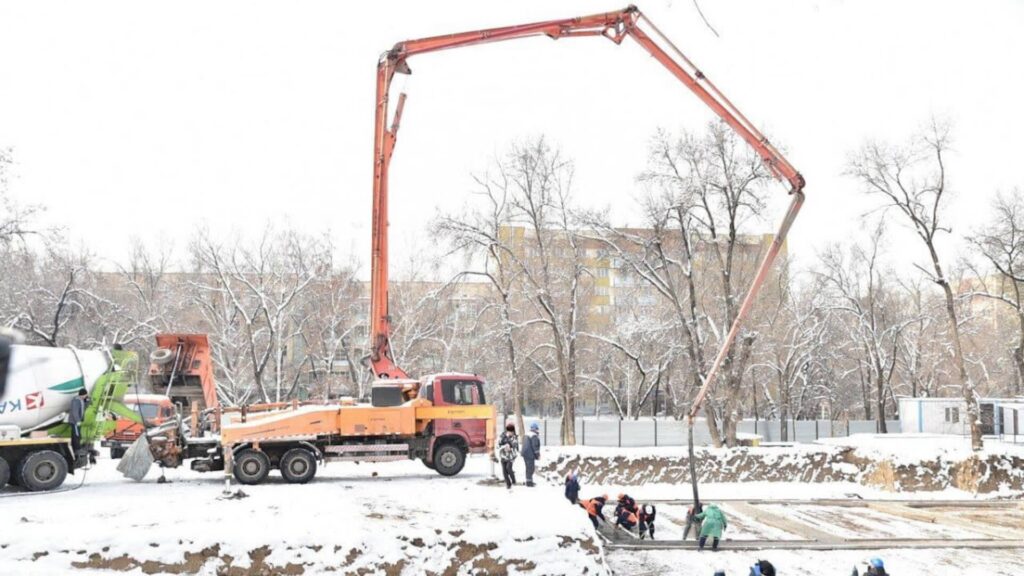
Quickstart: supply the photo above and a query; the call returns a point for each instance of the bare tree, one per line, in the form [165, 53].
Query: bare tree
[707, 188]
[911, 180]
[17, 221]
[863, 294]
[252, 291]
[482, 234]
[796, 329]
[1001, 243]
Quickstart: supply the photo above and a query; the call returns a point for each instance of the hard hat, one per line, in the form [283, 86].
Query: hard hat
[534, 426]
[876, 562]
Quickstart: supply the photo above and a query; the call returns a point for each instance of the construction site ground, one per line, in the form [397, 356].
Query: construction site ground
[387, 518]
[401, 518]
[831, 536]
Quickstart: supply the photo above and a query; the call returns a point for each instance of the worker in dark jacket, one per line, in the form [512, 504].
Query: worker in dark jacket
[595, 508]
[625, 502]
[572, 487]
[762, 568]
[76, 416]
[531, 452]
[508, 451]
[626, 518]
[647, 514]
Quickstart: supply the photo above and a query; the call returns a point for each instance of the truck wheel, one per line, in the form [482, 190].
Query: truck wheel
[5, 473]
[449, 460]
[251, 466]
[43, 470]
[298, 466]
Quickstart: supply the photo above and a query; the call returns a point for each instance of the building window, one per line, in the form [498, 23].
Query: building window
[602, 272]
[953, 415]
[601, 290]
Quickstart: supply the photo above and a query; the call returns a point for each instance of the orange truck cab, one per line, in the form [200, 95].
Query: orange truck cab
[152, 409]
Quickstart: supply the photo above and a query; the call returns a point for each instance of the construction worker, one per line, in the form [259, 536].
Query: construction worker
[762, 568]
[531, 452]
[647, 514]
[572, 487]
[595, 508]
[75, 417]
[625, 501]
[626, 518]
[712, 523]
[875, 567]
[508, 451]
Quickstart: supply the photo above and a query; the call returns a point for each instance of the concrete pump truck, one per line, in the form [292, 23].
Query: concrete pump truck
[438, 418]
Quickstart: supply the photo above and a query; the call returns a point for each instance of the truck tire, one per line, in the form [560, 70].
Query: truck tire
[5, 473]
[298, 466]
[449, 459]
[161, 356]
[42, 470]
[251, 466]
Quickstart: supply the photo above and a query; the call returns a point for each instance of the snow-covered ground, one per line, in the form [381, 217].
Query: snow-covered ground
[402, 519]
[396, 518]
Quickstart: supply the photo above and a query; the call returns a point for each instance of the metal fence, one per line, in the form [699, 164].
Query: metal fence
[665, 432]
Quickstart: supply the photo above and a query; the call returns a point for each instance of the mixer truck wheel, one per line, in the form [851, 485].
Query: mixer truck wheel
[251, 466]
[161, 356]
[298, 466]
[5, 473]
[43, 470]
[449, 459]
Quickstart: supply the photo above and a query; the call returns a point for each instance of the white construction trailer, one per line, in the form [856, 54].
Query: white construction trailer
[949, 415]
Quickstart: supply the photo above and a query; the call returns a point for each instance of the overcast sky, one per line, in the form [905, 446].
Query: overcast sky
[138, 118]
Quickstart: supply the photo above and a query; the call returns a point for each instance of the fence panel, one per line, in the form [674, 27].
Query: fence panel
[602, 433]
[670, 432]
[637, 433]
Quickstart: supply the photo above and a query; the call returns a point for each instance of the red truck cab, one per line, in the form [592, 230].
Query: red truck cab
[452, 389]
[154, 409]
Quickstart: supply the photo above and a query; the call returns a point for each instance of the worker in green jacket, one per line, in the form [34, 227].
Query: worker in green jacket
[712, 523]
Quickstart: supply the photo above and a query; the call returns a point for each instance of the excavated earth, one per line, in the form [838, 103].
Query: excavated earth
[987, 473]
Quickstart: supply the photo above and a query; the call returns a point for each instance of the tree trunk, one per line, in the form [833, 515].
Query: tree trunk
[880, 402]
[967, 387]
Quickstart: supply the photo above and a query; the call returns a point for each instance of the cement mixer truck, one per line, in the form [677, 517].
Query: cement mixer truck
[37, 385]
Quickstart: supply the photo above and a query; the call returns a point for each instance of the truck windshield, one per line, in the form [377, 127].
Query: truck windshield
[461, 391]
[148, 411]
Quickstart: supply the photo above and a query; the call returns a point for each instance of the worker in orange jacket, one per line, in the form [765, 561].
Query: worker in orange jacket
[595, 508]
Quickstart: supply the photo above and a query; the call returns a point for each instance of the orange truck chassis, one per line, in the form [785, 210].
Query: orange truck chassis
[421, 422]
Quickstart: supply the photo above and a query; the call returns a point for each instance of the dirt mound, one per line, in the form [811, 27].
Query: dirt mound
[980, 474]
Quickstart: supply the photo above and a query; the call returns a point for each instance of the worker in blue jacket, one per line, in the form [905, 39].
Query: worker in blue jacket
[531, 452]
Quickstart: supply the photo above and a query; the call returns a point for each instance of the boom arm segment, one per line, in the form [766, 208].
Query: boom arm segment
[612, 25]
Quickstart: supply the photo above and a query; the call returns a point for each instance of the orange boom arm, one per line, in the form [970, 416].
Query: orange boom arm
[614, 26]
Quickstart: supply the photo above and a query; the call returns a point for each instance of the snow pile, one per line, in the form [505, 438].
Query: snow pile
[897, 463]
[388, 518]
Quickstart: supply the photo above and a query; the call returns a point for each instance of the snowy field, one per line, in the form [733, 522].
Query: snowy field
[387, 518]
[402, 519]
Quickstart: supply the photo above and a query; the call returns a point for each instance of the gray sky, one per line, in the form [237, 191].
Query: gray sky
[138, 118]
